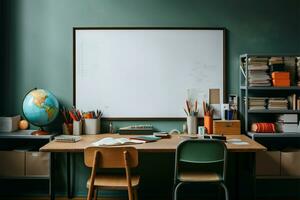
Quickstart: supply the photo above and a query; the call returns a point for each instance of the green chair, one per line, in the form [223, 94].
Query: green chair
[200, 161]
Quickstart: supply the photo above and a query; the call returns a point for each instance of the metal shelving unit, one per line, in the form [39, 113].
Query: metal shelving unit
[247, 91]
[273, 141]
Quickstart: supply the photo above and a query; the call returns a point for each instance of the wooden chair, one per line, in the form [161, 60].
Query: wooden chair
[200, 161]
[113, 158]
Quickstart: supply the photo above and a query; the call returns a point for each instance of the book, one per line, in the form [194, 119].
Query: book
[137, 129]
[147, 138]
[109, 141]
[67, 138]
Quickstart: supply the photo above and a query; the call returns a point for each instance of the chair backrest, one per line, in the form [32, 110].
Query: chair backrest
[202, 152]
[111, 157]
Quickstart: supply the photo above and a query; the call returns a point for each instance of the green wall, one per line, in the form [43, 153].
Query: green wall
[39, 42]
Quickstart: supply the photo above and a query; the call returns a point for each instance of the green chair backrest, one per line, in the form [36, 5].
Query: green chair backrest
[201, 152]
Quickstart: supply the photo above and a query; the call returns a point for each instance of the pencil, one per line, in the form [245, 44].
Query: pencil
[185, 112]
[188, 107]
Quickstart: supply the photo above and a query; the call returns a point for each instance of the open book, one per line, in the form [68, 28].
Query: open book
[109, 141]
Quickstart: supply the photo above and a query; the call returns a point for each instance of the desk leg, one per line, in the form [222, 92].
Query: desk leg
[52, 176]
[246, 184]
[70, 175]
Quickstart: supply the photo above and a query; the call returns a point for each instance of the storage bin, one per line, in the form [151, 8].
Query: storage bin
[290, 163]
[12, 163]
[9, 124]
[227, 127]
[37, 163]
[268, 163]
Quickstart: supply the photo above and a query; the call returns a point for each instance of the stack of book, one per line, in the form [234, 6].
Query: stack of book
[276, 64]
[293, 102]
[257, 103]
[290, 66]
[281, 79]
[298, 71]
[287, 123]
[257, 71]
[278, 104]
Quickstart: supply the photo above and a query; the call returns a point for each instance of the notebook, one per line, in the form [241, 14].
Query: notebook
[109, 141]
[67, 138]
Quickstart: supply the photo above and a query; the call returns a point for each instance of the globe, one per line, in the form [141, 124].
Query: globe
[40, 107]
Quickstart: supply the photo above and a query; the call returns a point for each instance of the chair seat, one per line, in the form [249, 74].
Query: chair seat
[114, 181]
[199, 177]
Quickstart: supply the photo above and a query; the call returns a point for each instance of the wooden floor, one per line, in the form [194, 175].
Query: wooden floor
[81, 198]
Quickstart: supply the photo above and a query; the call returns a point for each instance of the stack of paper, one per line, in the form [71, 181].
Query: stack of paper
[278, 104]
[257, 103]
[257, 72]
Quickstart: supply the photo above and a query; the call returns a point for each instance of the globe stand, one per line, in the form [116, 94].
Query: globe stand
[40, 132]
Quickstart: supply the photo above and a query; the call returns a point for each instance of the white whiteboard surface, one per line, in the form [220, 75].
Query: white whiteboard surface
[146, 73]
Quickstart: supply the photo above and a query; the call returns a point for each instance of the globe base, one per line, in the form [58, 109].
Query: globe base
[40, 132]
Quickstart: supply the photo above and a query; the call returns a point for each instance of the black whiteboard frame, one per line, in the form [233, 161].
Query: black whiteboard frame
[150, 28]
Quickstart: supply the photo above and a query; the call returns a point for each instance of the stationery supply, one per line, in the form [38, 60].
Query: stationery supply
[109, 141]
[137, 130]
[281, 79]
[67, 138]
[77, 127]
[146, 138]
[191, 111]
[162, 134]
[263, 127]
[208, 117]
[76, 122]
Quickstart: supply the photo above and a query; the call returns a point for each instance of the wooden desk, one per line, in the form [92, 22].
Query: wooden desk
[167, 145]
[163, 145]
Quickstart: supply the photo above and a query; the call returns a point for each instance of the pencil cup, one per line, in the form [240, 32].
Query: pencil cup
[67, 128]
[77, 127]
[208, 124]
[91, 126]
[191, 122]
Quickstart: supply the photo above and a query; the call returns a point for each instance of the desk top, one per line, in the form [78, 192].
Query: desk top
[163, 145]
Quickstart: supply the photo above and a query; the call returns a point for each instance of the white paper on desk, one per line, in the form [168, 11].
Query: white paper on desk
[239, 143]
[109, 141]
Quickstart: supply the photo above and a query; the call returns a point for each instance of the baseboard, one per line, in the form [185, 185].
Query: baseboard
[57, 198]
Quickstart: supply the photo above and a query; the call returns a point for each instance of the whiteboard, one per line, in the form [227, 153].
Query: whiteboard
[146, 73]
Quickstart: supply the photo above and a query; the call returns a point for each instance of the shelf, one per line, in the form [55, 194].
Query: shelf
[268, 55]
[277, 177]
[26, 177]
[24, 134]
[294, 88]
[265, 111]
[273, 135]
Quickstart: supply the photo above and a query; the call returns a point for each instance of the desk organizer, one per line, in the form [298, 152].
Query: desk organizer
[91, 126]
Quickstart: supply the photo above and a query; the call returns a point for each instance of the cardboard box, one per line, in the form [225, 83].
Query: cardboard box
[12, 163]
[227, 127]
[290, 163]
[37, 163]
[268, 163]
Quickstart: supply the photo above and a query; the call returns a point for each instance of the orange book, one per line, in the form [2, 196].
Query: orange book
[281, 75]
[281, 82]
